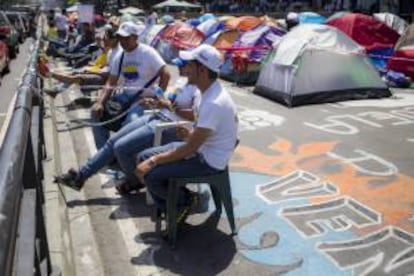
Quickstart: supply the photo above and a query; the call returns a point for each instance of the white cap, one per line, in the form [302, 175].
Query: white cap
[292, 16]
[207, 55]
[129, 28]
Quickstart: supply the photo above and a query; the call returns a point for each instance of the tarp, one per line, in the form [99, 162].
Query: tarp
[311, 17]
[225, 39]
[247, 52]
[183, 35]
[318, 63]
[366, 30]
[407, 39]
[393, 21]
[175, 37]
[131, 10]
[403, 61]
[243, 23]
[210, 27]
[260, 40]
[403, 57]
[176, 4]
[151, 33]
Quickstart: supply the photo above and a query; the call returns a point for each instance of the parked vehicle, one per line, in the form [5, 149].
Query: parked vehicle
[16, 19]
[4, 58]
[9, 34]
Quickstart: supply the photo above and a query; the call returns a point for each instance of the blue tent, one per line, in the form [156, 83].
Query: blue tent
[311, 17]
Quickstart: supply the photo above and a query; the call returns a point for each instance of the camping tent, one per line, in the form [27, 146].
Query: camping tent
[294, 74]
[376, 37]
[403, 57]
[366, 30]
[175, 37]
[247, 52]
[210, 27]
[393, 21]
[243, 23]
[311, 17]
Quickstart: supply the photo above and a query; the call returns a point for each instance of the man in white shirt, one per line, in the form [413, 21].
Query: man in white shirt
[133, 68]
[208, 147]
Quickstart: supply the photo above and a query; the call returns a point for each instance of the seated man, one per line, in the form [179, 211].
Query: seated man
[92, 76]
[207, 147]
[138, 135]
[137, 67]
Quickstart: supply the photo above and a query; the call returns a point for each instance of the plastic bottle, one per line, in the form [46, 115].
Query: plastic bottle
[159, 93]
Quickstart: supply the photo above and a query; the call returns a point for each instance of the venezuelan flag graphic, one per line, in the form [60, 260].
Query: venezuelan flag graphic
[130, 72]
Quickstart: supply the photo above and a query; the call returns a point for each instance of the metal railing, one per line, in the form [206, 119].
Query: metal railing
[23, 242]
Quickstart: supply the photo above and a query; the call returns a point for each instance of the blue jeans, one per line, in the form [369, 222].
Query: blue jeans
[124, 145]
[101, 133]
[157, 179]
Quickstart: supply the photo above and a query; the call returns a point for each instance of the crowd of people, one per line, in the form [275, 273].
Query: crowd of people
[135, 76]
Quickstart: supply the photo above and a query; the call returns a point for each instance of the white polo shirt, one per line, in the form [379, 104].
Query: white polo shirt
[217, 112]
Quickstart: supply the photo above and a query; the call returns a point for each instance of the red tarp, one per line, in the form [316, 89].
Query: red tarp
[403, 61]
[366, 30]
[182, 35]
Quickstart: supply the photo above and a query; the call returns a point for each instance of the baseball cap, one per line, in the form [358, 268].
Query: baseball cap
[179, 62]
[207, 55]
[129, 28]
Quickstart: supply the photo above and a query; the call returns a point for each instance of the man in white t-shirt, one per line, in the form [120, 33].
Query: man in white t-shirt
[207, 148]
[132, 69]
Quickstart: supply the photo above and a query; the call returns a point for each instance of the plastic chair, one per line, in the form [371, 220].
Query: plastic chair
[220, 190]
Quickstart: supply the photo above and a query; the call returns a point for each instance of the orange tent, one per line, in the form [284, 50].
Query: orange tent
[244, 23]
[226, 39]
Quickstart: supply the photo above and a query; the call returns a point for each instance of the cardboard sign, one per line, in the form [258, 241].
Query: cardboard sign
[85, 13]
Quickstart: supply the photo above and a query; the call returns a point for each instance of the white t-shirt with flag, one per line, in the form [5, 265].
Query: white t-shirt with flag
[138, 67]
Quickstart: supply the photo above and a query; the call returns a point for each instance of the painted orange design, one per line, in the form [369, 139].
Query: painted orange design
[392, 198]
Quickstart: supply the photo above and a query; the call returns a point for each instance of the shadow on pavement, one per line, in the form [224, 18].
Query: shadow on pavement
[200, 250]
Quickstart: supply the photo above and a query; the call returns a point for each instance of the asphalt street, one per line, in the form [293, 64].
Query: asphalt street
[324, 189]
[10, 81]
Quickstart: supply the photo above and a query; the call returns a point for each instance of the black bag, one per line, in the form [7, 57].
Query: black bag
[114, 114]
[115, 108]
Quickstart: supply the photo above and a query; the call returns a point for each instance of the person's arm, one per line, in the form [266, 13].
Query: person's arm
[165, 76]
[196, 138]
[105, 93]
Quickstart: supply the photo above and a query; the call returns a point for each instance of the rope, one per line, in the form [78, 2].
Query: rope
[82, 122]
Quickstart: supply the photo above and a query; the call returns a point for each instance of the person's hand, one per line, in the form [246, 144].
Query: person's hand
[97, 110]
[161, 103]
[148, 102]
[183, 131]
[144, 167]
[43, 68]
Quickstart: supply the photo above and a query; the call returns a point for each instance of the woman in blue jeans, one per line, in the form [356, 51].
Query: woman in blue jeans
[138, 135]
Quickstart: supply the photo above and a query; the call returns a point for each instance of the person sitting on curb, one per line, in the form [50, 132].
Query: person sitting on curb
[207, 148]
[138, 135]
[94, 75]
[137, 66]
